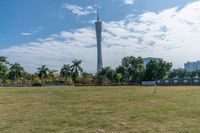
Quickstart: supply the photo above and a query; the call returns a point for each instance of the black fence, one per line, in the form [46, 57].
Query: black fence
[178, 82]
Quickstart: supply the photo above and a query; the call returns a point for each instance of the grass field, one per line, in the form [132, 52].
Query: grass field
[100, 109]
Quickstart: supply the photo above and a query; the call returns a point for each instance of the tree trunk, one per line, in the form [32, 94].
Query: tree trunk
[42, 79]
[65, 78]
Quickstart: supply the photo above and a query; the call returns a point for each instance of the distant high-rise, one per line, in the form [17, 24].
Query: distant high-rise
[98, 25]
[192, 66]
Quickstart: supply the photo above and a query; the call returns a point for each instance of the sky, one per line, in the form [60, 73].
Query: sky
[54, 32]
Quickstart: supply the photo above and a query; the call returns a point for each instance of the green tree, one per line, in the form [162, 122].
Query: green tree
[16, 71]
[106, 76]
[178, 73]
[87, 78]
[3, 68]
[134, 68]
[76, 69]
[35, 78]
[65, 72]
[119, 77]
[193, 74]
[52, 76]
[198, 73]
[157, 70]
[27, 78]
[43, 72]
[121, 74]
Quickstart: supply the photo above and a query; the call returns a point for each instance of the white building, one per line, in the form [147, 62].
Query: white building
[148, 59]
[192, 66]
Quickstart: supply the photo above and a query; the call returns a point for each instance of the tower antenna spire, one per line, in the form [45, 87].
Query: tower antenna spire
[98, 14]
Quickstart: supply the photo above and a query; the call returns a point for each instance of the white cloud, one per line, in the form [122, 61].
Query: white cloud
[128, 2]
[32, 32]
[172, 34]
[26, 34]
[78, 10]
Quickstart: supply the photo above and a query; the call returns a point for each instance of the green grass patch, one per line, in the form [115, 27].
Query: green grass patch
[100, 109]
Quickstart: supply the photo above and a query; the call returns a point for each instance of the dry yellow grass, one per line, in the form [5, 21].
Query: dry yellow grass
[100, 109]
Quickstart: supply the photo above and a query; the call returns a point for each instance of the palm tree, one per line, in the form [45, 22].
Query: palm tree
[16, 71]
[52, 76]
[76, 69]
[43, 72]
[65, 72]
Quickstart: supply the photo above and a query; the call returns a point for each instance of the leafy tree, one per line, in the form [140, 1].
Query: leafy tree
[182, 73]
[193, 74]
[87, 78]
[121, 74]
[27, 78]
[16, 71]
[198, 73]
[76, 69]
[36, 78]
[65, 72]
[43, 72]
[134, 68]
[52, 76]
[157, 70]
[110, 73]
[119, 77]
[106, 76]
[3, 68]
[178, 73]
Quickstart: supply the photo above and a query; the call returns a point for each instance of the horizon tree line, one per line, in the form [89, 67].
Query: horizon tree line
[131, 71]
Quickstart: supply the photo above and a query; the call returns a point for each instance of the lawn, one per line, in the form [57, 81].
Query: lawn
[100, 109]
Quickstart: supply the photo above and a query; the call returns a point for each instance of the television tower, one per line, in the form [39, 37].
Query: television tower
[98, 26]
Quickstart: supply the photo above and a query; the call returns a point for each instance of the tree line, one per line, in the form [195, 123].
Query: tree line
[131, 71]
[182, 73]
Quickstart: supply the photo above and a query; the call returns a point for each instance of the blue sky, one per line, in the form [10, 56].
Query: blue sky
[51, 26]
[45, 17]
